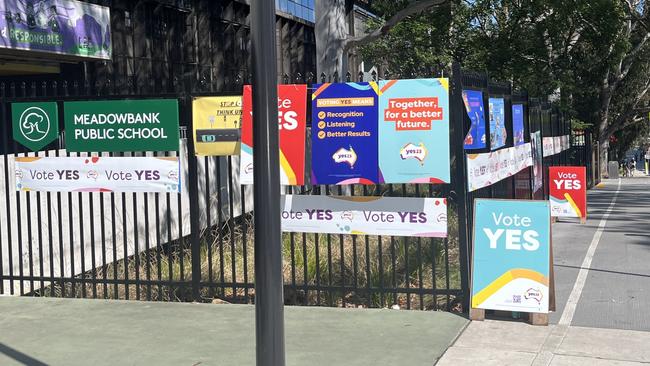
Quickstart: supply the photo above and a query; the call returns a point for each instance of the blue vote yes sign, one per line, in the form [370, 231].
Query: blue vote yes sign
[512, 255]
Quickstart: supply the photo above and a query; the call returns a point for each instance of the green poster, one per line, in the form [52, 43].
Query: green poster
[35, 125]
[122, 125]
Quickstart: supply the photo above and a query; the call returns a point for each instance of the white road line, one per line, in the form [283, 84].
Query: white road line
[578, 286]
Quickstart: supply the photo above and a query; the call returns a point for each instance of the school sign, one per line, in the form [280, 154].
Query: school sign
[122, 125]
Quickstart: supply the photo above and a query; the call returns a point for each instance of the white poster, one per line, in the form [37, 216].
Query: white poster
[483, 170]
[98, 174]
[424, 217]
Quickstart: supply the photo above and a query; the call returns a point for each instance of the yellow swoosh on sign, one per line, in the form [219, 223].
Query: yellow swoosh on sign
[286, 167]
[505, 279]
[573, 203]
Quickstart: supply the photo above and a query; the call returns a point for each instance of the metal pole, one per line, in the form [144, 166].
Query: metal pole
[269, 298]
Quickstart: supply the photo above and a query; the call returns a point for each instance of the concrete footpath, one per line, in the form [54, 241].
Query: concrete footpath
[602, 277]
[70, 332]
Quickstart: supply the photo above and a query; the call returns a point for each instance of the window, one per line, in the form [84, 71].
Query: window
[303, 9]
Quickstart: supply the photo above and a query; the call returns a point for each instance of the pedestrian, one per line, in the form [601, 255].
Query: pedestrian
[632, 166]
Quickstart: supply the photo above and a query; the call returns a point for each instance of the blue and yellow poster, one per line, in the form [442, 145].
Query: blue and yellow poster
[473, 100]
[344, 133]
[511, 256]
[414, 131]
[498, 133]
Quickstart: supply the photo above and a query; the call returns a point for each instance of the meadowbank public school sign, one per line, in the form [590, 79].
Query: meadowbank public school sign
[122, 125]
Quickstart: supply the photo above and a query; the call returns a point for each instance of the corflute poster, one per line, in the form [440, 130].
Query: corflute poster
[216, 122]
[518, 124]
[568, 191]
[344, 133]
[511, 256]
[292, 124]
[498, 134]
[414, 131]
[473, 100]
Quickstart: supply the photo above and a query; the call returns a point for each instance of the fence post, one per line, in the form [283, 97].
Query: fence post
[460, 178]
[193, 184]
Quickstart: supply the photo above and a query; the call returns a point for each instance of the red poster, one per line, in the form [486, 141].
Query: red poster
[292, 123]
[568, 191]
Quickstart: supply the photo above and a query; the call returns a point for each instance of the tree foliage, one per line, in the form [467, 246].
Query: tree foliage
[592, 54]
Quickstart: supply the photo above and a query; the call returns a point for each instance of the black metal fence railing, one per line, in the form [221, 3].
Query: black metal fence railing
[198, 245]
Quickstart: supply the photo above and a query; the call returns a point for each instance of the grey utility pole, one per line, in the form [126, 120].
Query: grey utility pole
[269, 298]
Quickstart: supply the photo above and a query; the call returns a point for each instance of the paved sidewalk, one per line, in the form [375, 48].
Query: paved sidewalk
[71, 332]
[500, 342]
[602, 270]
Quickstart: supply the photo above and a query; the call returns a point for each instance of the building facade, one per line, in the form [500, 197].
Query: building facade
[161, 46]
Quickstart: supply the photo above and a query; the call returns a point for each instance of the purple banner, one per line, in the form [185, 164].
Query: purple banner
[64, 27]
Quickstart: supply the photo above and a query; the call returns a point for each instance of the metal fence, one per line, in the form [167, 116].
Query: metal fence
[198, 245]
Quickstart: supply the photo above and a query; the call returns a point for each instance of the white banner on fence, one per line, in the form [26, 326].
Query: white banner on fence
[549, 146]
[486, 169]
[424, 217]
[98, 174]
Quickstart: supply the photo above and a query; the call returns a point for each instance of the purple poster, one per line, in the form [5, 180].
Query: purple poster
[64, 27]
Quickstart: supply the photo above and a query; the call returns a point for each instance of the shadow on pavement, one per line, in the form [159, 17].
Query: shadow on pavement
[19, 356]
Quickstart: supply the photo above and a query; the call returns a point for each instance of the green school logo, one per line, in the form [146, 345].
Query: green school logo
[35, 125]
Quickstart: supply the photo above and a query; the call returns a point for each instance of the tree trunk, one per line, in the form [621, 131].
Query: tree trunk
[331, 32]
[603, 157]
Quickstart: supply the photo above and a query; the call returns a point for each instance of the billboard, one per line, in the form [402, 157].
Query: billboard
[344, 133]
[65, 27]
[292, 125]
[473, 100]
[414, 131]
[511, 264]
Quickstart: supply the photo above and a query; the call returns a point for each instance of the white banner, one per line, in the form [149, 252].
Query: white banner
[486, 169]
[424, 217]
[549, 146]
[98, 174]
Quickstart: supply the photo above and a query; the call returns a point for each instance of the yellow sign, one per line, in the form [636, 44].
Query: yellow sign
[216, 123]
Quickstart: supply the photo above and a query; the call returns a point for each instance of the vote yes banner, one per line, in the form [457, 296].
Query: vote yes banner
[423, 217]
[292, 125]
[98, 174]
[414, 131]
[568, 191]
[216, 123]
[344, 133]
[511, 263]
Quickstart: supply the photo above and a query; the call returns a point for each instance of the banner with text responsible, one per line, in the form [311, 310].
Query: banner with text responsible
[344, 133]
[485, 169]
[414, 131]
[568, 191]
[424, 217]
[121, 125]
[98, 174]
[292, 126]
[216, 123]
[512, 255]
